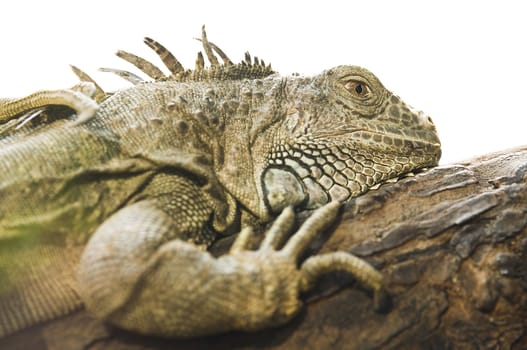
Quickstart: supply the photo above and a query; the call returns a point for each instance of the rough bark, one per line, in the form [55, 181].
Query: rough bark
[451, 242]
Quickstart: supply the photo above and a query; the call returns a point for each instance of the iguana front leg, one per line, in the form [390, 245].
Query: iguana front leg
[79, 98]
[135, 275]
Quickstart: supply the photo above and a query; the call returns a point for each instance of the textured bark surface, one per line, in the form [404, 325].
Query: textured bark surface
[451, 242]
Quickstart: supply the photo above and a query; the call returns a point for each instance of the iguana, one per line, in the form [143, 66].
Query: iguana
[114, 209]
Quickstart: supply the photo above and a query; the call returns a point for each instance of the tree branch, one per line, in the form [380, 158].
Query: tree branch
[451, 242]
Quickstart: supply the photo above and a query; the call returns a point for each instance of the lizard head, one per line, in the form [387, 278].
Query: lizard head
[343, 133]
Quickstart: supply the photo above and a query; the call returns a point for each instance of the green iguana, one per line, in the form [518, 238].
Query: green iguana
[112, 209]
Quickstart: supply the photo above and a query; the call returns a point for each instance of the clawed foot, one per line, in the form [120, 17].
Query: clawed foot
[182, 291]
[280, 256]
[79, 98]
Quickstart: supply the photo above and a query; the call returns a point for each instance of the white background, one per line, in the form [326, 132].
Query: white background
[463, 62]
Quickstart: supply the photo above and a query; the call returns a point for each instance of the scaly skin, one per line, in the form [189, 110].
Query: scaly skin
[114, 213]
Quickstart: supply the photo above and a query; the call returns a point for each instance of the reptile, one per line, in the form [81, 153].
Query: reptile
[113, 204]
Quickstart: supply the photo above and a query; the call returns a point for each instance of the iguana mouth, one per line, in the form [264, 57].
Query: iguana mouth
[393, 139]
[428, 150]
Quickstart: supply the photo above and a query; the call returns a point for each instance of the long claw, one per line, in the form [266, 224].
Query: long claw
[29, 117]
[170, 61]
[316, 266]
[319, 221]
[242, 241]
[280, 229]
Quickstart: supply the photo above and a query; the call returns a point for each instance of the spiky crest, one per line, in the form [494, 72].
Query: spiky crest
[226, 70]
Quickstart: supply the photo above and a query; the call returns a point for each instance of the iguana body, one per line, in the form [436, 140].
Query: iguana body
[115, 212]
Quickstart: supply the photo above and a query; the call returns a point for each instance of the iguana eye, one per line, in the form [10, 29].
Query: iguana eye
[357, 88]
